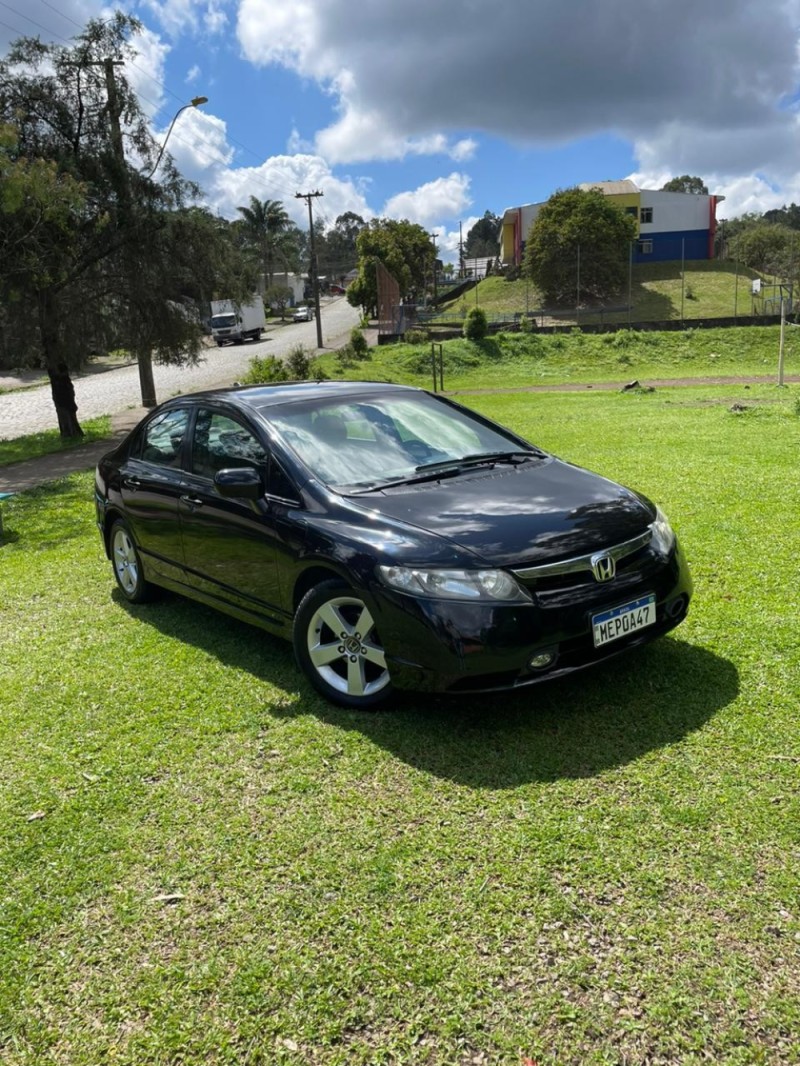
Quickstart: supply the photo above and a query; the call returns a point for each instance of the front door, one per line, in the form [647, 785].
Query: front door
[228, 544]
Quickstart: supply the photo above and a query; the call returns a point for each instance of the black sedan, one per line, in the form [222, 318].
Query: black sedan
[400, 540]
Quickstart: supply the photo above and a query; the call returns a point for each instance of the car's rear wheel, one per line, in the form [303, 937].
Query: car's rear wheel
[338, 647]
[128, 565]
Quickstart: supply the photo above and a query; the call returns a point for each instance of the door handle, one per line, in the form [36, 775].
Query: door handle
[131, 483]
[193, 501]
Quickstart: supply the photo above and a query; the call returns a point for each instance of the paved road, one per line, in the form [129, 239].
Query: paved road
[31, 410]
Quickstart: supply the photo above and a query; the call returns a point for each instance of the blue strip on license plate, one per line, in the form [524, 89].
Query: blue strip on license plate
[620, 621]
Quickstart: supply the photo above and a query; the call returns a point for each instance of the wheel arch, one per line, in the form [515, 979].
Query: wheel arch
[312, 577]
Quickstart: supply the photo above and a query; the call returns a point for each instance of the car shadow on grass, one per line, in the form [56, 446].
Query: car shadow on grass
[574, 727]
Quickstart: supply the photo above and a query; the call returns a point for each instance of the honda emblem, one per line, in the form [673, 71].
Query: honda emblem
[604, 567]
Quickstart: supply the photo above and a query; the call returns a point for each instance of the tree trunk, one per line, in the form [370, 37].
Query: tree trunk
[64, 399]
[61, 387]
[147, 382]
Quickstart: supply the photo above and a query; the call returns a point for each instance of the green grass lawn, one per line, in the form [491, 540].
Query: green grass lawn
[514, 360]
[48, 441]
[201, 862]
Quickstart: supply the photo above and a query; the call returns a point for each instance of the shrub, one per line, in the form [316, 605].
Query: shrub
[475, 324]
[302, 366]
[527, 324]
[416, 336]
[263, 371]
[299, 366]
[358, 343]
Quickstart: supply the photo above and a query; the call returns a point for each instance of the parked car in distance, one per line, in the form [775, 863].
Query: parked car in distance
[398, 539]
[302, 314]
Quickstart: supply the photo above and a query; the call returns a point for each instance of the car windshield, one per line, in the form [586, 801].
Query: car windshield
[222, 321]
[368, 443]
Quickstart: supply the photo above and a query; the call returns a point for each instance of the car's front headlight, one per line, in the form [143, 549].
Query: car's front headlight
[663, 533]
[454, 584]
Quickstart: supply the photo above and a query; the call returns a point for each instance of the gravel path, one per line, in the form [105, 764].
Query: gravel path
[31, 410]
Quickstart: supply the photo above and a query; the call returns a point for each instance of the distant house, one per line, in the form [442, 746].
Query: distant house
[672, 225]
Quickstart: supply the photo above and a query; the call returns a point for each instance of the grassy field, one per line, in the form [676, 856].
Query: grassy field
[48, 441]
[514, 360]
[659, 291]
[203, 863]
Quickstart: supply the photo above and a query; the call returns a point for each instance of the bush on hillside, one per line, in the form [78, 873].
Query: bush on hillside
[476, 325]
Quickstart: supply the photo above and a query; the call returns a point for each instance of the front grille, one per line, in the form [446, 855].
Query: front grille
[577, 570]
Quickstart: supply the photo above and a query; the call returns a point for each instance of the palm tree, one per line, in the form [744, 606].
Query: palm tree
[268, 226]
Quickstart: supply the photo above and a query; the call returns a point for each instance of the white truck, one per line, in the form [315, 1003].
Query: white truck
[233, 323]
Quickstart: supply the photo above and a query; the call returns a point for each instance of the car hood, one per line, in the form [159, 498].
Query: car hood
[521, 515]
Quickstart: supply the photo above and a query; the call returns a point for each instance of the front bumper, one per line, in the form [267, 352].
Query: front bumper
[454, 646]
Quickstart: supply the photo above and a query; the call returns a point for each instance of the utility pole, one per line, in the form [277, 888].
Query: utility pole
[144, 357]
[308, 197]
[435, 291]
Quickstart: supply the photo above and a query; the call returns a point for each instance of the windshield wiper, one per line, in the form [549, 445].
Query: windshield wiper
[477, 458]
[450, 468]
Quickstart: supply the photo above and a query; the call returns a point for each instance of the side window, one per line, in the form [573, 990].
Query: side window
[221, 443]
[163, 437]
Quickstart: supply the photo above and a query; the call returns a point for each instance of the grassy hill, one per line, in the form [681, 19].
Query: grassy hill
[514, 360]
[659, 292]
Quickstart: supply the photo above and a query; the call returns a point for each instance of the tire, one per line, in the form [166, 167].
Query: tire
[127, 565]
[219, 344]
[338, 648]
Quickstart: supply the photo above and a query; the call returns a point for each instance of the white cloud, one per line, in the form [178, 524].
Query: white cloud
[192, 75]
[435, 200]
[698, 88]
[179, 16]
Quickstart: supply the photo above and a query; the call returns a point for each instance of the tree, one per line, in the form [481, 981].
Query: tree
[336, 249]
[268, 229]
[768, 248]
[111, 261]
[579, 247]
[785, 216]
[484, 237]
[404, 248]
[278, 297]
[686, 183]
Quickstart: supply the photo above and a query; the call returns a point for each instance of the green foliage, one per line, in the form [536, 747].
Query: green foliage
[581, 234]
[483, 239]
[476, 325]
[299, 365]
[686, 183]
[416, 336]
[277, 297]
[358, 343]
[404, 248]
[357, 350]
[767, 248]
[269, 235]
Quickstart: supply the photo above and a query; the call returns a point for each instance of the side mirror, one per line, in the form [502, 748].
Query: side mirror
[241, 482]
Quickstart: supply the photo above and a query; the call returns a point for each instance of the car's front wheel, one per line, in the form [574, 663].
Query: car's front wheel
[338, 647]
[128, 566]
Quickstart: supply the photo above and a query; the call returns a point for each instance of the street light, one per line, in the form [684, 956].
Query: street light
[195, 102]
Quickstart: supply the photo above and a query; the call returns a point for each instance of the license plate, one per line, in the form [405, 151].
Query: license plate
[621, 621]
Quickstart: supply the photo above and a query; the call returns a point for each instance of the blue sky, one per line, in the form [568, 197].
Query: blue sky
[438, 110]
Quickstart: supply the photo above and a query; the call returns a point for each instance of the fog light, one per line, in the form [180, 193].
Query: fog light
[542, 660]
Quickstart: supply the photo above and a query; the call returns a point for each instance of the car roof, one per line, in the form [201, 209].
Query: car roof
[262, 397]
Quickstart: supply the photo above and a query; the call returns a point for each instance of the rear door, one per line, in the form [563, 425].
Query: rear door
[150, 484]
